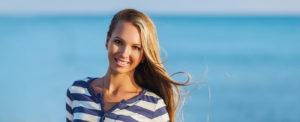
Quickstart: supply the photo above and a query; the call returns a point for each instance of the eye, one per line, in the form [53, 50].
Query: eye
[117, 41]
[136, 47]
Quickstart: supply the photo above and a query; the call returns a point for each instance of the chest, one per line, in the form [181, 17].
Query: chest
[111, 101]
[89, 111]
[108, 105]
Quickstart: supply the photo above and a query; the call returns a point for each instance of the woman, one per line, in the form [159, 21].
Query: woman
[136, 86]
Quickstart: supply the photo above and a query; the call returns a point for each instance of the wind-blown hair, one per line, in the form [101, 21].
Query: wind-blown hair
[150, 73]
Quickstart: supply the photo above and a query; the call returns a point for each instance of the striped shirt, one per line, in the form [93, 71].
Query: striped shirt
[83, 105]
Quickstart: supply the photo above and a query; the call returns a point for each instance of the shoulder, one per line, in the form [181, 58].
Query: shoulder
[159, 109]
[153, 98]
[80, 82]
[80, 86]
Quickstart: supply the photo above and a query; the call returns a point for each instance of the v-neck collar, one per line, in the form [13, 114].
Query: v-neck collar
[120, 105]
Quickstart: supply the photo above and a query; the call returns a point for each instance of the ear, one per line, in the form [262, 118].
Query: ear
[106, 43]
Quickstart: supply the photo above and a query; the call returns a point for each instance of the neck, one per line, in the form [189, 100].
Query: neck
[116, 82]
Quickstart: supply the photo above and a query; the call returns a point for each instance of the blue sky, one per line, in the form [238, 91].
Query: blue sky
[201, 7]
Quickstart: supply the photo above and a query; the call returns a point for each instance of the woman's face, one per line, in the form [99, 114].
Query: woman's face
[124, 48]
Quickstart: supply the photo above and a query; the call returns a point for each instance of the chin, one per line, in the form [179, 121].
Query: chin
[120, 70]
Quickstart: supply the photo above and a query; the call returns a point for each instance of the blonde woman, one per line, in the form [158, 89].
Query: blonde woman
[136, 86]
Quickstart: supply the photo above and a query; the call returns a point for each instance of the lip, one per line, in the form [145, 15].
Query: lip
[121, 64]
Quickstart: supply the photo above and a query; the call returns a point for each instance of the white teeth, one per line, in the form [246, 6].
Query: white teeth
[122, 62]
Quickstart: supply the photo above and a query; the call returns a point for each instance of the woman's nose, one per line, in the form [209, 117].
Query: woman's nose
[125, 52]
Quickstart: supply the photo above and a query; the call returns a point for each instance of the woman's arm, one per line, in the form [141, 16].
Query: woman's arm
[69, 109]
[161, 113]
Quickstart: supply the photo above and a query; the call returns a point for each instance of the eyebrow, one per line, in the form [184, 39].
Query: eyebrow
[124, 40]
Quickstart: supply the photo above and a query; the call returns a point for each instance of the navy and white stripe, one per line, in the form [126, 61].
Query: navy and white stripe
[82, 105]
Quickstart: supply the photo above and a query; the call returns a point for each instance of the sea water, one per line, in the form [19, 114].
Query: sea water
[250, 64]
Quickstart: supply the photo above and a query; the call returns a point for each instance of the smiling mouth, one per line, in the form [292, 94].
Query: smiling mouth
[121, 63]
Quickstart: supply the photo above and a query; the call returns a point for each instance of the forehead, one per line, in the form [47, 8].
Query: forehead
[127, 31]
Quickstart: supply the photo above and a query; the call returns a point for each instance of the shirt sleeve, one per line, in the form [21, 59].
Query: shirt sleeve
[161, 114]
[69, 109]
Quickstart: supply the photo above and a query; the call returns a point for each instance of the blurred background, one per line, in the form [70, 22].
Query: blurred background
[248, 48]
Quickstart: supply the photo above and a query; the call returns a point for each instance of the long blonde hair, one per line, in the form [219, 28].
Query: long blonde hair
[150, 73]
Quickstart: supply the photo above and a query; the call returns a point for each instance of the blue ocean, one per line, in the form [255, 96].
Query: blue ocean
[250, 64]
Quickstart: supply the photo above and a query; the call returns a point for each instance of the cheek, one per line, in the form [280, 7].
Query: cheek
[112, 49]
[111, 54]
[137, 56]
